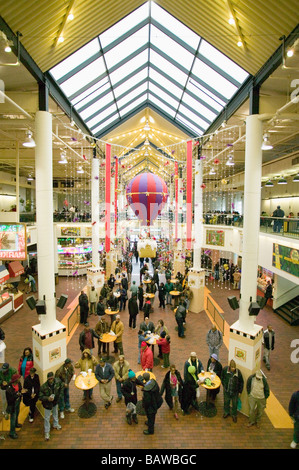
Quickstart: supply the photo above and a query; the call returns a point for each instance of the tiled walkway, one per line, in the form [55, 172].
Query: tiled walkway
[108, 429]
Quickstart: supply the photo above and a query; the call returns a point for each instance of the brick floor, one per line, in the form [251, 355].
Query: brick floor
[109, 429]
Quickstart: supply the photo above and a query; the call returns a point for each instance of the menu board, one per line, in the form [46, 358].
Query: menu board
[13, 242]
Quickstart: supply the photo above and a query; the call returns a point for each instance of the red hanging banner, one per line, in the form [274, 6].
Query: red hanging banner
[189, 195]
[115, 195]
[176, 186]
[107, 197]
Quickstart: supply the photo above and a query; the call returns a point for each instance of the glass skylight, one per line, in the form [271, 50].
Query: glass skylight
[149, 58]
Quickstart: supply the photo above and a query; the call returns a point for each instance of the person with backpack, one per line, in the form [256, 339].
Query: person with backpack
[214, 340]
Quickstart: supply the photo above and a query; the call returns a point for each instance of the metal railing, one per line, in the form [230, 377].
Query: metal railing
[215, 314]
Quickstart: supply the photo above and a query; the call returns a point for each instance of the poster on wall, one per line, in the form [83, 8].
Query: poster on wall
[70, 231]
[286, 259]
[215, 237]
[13, 242]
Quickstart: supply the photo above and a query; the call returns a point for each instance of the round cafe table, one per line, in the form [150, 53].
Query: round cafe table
[107, 338]
[112, 314]
[88, 408]
[139, 408]
[147, 281]
[175, 295]
[207, 408]
[153, 339]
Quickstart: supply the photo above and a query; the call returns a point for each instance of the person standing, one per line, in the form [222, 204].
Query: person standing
[101, 328]
[6, 373]
[215, 367]
[294, 414]
[134, 289]
[258, 392]
[121, 370]
[118, 329]
[195, 362]
[104, 374]
[123, 299]
[236, 278]
[129, 391]
[86, 362]
[164, 343]
[86, 338]
[180, 316]
[100, 307]
[162, 295]
[25, 362]
[168, 289]
[84, 307]
[233, 383]
[173, 386]
[277, 222]
[93, 300]
[156, 278]
[214, 340]
[32, 387]
[65, 373]
[147, 325]
[133, 311]
[31, 284]
[146, 357]
[268, 341]
[14, 393]
[269, 291]
[49, 395]
[111, 282]
[151, 402]
[140, 296]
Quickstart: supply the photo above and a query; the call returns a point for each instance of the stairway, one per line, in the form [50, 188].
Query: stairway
[285, 311]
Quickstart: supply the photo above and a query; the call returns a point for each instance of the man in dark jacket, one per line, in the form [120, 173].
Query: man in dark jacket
[258, 392]
[268, 340]
[180, 316]
[133, 311]
[49, 395]
[14, 397]
[129, 391]
[104, 374]
[100, 307]
[294, 414]
[65, 373]
[278, 222]
[233, 383]
[86, 338]
[6, 373]
[84, 307]
[151, 402]
[140, 296]
[162, 295]
[32, 387]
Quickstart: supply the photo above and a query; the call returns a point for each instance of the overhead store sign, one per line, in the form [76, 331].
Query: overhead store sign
[13, 242]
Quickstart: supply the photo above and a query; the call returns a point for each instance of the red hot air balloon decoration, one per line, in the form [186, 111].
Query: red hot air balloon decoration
[147, 194]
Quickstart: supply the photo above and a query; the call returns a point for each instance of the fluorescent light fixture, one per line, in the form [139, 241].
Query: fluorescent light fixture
[269, 184]
[266, 145]
[282, 180]
[29, 141]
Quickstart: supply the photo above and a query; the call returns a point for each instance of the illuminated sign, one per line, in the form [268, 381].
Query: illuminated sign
[13, 242]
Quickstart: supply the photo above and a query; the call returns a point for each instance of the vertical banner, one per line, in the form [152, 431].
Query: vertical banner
[107, 198]
[189, 195]
[176, 185]
[115, 195]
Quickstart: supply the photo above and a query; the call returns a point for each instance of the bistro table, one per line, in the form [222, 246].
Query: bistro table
[207, 408]
[108, 338]
[88, 408]
[139, 408]
[112, 314]
[175, 295]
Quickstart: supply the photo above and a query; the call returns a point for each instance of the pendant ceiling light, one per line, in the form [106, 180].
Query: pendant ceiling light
[29, 141]
[282, 180]
[266, 145]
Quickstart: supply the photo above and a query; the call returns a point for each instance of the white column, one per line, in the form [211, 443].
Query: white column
[44, 218]
[197, 226]
[252, 202]
[95, 195]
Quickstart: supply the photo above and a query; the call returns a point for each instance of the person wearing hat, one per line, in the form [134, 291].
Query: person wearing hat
[32, 387]
[215, 367]
[193, 361]
[14, 393]
[214, 340]
[258, 392]
[151, 402]
[6, 373]
[49, 395]
[86, 362]
[104, 374]
[118, 328]
[232, 383]
[65, 373]
[146, 357]
[129, 391]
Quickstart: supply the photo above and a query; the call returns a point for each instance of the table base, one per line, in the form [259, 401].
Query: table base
[87, 410]
[207, 409]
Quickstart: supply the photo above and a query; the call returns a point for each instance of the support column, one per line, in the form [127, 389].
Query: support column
[49, 337]
[196, 275]
[245, 343]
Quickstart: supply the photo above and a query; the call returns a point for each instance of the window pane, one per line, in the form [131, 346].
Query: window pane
[171, 48]
[213, 79]
[97, 106]
[205, 95]
[75, 59]
[92, 92]
[128, 67]
[130, 83]
[170, 69]
[167, 84]
[124, 25]
[105, 123]
[133, 105]
[162, 106]
[131, 96]
[198, 107]
[193, 117]
[82, 78]
[189, 125]
[164, 96]
[223, 62]
[127, 47]
[94, 121]
[175, 26]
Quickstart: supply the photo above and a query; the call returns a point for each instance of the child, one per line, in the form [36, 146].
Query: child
[164, 342]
